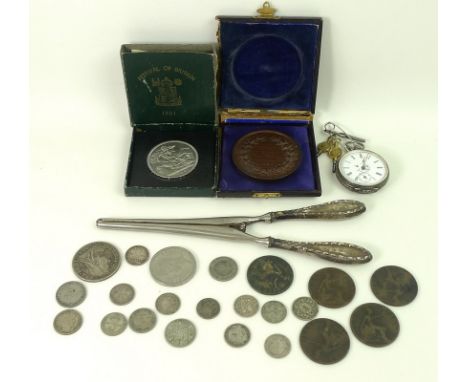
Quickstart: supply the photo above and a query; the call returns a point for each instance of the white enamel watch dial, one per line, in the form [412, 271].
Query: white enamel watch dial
[362, 171]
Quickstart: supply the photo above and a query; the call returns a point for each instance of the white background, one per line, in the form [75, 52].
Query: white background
[377, 79]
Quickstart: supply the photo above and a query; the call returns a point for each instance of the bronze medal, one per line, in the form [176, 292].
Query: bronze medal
[266, 155]
[324, 341]
[331, 287]
[374, 324]
[394, 285]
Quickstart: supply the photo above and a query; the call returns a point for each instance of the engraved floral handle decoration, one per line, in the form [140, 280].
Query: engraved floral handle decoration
[337, 252]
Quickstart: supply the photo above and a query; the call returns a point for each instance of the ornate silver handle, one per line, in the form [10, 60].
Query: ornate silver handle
[345, 253]
[338, 209]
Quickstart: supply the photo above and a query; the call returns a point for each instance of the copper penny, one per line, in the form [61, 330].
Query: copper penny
[266, 155]
[394, 285]
[374, 324]
[331, 287]
[324, 341]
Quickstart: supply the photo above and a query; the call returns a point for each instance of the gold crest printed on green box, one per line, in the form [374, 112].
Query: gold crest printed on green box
[170, 83]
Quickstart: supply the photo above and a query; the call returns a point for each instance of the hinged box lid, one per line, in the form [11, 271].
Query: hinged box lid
[269, 63]
[170, 83]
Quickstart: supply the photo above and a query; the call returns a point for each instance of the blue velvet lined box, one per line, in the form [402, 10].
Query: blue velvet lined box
[268, 72]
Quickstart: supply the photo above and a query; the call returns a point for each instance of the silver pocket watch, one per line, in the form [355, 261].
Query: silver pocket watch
[358, 169]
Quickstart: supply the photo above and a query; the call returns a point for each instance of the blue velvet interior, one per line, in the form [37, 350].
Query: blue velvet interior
[231, 179]
[269, 65]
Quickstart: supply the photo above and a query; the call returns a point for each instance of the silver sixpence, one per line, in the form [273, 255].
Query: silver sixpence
[180, 332]
[172, 159]
[223, 268]
[173, 266]
[122, 294]
[277, 346]
[167, 303]
[142, 320]
[305, 308]
[237, 335]
[208, 308]
[246, 305]
[114, 324]
[274, 311]
[137, 255]
[96, 261]
[68, 321]
[71, 294]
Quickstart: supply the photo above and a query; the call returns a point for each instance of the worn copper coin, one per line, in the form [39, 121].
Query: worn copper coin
[167, 303]
[237, 335]
[274, 312]
[180, 332]
[374, 324]
[331, 287]
[277, 346]
[266, 155]
[223, 268]
[68, 321]
[142, 320]
[324, 341]
[270, 275]
[71, 294]
[137, 255]
[122, 294]
[246, 305]
[114, 324]
[208, 308]
[305, 308]
[394, 285]
[96, 261]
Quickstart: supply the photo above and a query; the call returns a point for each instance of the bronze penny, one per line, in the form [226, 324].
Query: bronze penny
[324, 341]
[331, 287]
[374, 324]
[394, 285]
[266, 155]
[270, 275]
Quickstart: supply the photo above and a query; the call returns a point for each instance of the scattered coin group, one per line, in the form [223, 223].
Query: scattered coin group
[323, 340]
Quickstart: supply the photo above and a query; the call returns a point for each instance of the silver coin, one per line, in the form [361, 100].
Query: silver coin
[305, 308]
[71, 294]
[223, 268]
[142, 320]
[277, 346]
[180, 332]
[173, 266]
[114, 324]
[208, 308]
[137, 255]
[246, 305]
[172, 159]
[237, 335]
[68, 321]
[274, 311]
[122, 294]
[167, 303]
[96, 261]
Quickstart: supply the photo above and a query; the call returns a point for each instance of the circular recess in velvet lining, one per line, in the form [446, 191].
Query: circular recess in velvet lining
[267, 68]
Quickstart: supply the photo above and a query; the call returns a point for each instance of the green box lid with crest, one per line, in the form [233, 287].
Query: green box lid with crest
[170, 83]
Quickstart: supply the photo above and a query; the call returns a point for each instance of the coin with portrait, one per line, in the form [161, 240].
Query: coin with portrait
[71, 294]
[173, 266]
[237, 335]
[68, 321]
[96, 261]
[137, 255]
[114, 324]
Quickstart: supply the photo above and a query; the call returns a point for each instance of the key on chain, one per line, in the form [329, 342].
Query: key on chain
[335, 154]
